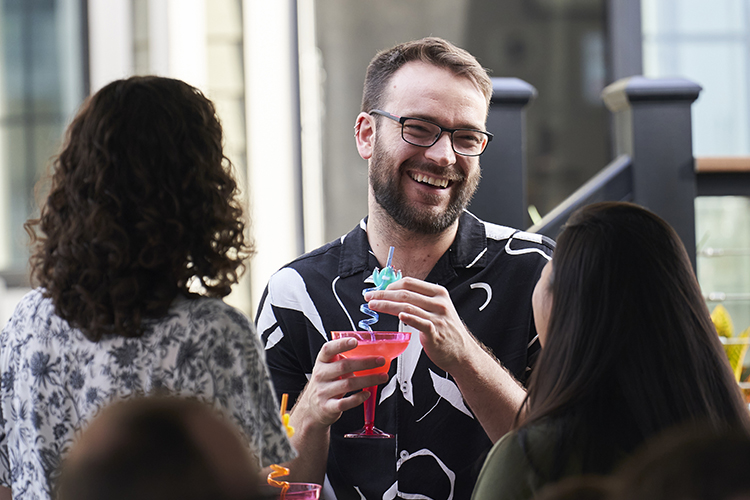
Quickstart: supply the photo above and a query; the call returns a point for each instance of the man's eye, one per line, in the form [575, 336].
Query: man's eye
[419, 130]
[467, 137]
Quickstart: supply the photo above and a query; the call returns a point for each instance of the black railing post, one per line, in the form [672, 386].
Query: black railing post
[652, 125]
[501, 197]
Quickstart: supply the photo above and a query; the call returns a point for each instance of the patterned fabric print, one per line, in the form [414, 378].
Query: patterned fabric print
[490, 272]
[54, 381]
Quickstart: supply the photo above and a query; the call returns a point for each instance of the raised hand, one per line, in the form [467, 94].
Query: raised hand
[428, 308]
[491, 392]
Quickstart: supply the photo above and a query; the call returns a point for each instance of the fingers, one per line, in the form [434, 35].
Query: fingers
[334, 376]
[332, 365]
[325, 396]
[413, 297]
[331, 382]
[330, 350]
[416, 322]
[429, 309]
[416, 285]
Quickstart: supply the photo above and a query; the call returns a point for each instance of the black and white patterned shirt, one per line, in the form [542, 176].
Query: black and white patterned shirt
[490, 272]
[54, 381]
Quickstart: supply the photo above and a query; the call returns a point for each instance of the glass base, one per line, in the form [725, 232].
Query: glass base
[369, 433]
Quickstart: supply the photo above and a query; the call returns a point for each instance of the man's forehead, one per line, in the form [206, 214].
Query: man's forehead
[428, 91]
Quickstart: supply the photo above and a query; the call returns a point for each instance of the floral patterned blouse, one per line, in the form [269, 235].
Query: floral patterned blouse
[54, 381]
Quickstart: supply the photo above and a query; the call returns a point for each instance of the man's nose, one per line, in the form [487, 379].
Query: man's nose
[442, 151]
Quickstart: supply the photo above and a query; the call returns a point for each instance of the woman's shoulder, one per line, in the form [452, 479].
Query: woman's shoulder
[33, 313]
[32, 303]
[513, 464]
[525, 444]
[197, 317]
[205, 312]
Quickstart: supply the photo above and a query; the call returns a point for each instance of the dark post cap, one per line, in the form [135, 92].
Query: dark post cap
[511, 91]
[623, 92]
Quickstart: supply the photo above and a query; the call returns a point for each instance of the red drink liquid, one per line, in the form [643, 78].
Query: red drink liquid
[386, 344]
[389, 349]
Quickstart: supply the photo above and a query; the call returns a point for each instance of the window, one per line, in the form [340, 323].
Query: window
[42, 82]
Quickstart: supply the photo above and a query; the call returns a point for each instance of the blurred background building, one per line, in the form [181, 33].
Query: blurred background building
[286, 76]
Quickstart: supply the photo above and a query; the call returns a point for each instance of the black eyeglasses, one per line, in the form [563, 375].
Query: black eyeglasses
[424, 133]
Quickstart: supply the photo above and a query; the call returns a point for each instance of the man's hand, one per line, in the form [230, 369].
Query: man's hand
[324, 397]
[428, 308]
[322, 403]
[487, 387]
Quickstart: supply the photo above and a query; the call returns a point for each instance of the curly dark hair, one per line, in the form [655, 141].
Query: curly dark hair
[142, 203]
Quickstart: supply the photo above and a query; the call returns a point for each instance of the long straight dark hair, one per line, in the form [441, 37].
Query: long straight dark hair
[630, 349]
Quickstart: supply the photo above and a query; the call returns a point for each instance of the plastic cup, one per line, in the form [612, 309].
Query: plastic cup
[302, 491]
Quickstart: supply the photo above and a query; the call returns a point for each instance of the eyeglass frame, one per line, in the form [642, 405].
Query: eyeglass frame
[402, 119]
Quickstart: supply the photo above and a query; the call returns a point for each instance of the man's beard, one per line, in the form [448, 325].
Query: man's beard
[389, 194]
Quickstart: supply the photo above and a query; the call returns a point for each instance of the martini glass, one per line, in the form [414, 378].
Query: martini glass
[386, 344]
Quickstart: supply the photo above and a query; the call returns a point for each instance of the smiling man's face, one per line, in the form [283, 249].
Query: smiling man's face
[425, 189]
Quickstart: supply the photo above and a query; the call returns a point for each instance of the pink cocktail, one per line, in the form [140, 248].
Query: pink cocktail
[302, 491]
[386, 344]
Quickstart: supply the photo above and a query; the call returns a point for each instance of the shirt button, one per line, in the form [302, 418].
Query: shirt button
[404, 386]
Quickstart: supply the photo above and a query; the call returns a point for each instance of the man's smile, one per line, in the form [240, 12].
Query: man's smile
[430, 181]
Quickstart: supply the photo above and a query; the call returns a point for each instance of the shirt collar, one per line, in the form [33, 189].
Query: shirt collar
[468, 249]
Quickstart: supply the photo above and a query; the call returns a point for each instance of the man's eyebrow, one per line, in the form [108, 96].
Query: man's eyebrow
[438, 122]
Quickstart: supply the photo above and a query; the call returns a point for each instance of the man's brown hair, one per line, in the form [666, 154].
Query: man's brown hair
[431, 50]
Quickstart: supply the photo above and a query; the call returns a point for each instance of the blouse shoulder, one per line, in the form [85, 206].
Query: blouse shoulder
[508, 472]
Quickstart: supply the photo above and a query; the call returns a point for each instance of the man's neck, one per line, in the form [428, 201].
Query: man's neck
[416, 254]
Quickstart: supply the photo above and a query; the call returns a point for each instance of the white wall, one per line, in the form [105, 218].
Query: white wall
[271, 130]
[110, 41]
[179, 46]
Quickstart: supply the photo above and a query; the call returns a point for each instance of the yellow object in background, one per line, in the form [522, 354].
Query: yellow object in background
[278, 470]
[736, 353]
[722, 321]
[735, 347]
[285, 415]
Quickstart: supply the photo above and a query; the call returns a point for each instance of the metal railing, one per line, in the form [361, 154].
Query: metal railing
[613, 182]
[723, 176]
[654, 164]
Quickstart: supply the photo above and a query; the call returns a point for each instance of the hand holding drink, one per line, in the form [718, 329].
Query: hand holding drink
[386, 344]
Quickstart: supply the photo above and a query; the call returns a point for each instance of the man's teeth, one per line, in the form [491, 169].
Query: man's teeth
[425, 179]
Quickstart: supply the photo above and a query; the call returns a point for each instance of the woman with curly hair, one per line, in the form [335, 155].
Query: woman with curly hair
[143, 212]
[629, 350]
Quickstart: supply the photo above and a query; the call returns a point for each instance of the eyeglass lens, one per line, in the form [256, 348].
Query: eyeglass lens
[423, 133]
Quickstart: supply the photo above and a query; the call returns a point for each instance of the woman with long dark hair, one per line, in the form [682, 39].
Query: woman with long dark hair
[139, 239]
[629, 350]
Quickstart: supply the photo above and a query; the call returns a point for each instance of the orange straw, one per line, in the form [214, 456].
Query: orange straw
[278, 470]
[285, 415]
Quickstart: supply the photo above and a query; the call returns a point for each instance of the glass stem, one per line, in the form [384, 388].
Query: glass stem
[370, 409]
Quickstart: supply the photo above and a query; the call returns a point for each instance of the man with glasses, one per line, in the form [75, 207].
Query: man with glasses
[465, 296]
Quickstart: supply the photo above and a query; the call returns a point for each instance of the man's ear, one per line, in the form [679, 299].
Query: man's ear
[364, 135]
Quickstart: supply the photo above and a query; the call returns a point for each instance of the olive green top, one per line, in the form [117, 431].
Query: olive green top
[516, 470]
